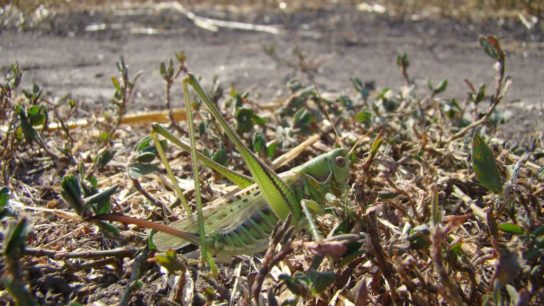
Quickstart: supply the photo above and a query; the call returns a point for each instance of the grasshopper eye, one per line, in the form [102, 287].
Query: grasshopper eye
[340, 161]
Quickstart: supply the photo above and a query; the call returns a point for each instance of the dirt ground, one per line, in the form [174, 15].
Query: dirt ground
[75, 53]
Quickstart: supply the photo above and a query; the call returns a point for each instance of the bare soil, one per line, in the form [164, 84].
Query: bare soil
[75, 53]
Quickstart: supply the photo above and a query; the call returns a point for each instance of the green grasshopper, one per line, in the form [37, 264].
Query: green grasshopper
[242, 221]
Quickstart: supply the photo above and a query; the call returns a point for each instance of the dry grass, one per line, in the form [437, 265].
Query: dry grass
[426, 224]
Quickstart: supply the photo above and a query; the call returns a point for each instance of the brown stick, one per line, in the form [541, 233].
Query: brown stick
[120, 252]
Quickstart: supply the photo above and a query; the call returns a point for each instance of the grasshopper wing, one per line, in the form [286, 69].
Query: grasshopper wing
[222, 215]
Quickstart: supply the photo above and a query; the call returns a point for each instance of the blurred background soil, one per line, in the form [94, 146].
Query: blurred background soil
[70, 47]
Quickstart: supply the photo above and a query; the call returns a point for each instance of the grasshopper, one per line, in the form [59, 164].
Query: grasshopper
[242, 221]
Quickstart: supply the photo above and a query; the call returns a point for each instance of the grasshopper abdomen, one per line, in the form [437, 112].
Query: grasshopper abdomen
[250, 235]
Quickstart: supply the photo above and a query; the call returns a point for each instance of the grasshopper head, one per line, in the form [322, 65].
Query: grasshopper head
[330, 169]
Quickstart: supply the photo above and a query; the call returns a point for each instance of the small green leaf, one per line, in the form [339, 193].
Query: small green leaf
[202, 128]
[489, 50]
[345, 101]
[180, 56]
[271, 150]
[480, 95]
[259, 143]
[26, 127]
[457, 248]
[36, 90]
[103, 207]
[103, 158]
[295, 85]
[441, 87]
[304, 119]
[430, 85]
[93, 181]
[116, 84]
[420, 237]
[376, 144]
[14, 76]
[507, 270]
[162, 70]
[383, 93]
[220, 156]
[137, 170]
[109, 228]
[37, 115]
[170, 261]
[436, 211]
[143, 144]
[244, 122]
[357, 83]
[363, 116]
[15, 239]
[121, 64]
[145, 157]
[492, 47]
[321, 280]
[19, 134]
[103, 196]
[150, 244]
[538, 231]
[137, 284]
[71, 192]
[12, 280]
[4, 198]
[451, 108]
[258, 120]
[104, 136]
[511, 228]
[361, 87]
[402, 60]
[72, 103]
[513, 293]
[484, 165]
[297, 283]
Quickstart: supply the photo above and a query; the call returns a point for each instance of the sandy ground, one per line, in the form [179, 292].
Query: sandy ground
[76, 53]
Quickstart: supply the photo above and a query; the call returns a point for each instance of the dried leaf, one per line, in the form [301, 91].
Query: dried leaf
[334, 249]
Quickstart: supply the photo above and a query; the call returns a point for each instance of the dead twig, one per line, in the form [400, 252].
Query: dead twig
[282, 234]
[120, 252]
[381, 257]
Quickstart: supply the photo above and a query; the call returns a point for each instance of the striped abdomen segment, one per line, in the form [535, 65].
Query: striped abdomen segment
[252, 234]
